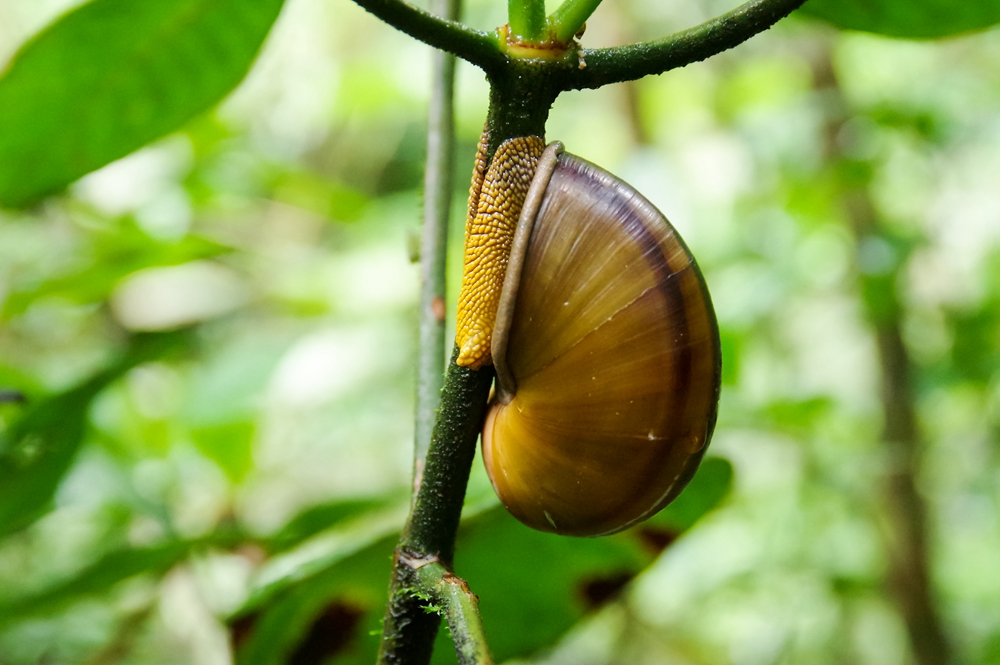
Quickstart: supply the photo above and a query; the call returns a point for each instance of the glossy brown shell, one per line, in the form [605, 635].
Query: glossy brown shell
[608, 356]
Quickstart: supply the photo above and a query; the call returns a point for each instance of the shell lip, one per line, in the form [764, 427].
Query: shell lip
[506, 384]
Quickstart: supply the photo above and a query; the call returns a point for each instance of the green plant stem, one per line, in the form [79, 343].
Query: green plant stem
[461, 607]
[519, 106]
[627, 63]
[521, 96]
[594, 67]
[566, 21]
[477, 47]
[438, 180]
[408, 631]
[434, 521]
[526, 19]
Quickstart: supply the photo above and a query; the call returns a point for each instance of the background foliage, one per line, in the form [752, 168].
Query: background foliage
[234, 488]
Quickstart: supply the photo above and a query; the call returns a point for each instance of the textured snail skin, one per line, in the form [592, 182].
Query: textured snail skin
[495, 201]
[614, 362]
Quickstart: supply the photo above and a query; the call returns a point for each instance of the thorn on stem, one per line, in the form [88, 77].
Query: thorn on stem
[437, 309]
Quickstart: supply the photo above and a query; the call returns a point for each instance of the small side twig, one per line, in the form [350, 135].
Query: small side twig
[598, 67]
[628, 63]
[434, 241]
[461, 608]
[477, 47]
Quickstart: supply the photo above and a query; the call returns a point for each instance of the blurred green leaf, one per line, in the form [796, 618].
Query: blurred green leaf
[38, 448]
[221, 409]
[230, 386]
[925, 123]
[114, 75]
[348, 567]
[974, 353]
[324, 516]
[322, 553]
[731, 341]
[120, 565]
[102, 575]
[797, 415]
[899, 18]
[322, 196]
[990, 652]
[706, 490]
[113, 253]
[230, 445]
[532, 586]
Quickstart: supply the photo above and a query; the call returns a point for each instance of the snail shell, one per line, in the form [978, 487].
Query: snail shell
[607, 357]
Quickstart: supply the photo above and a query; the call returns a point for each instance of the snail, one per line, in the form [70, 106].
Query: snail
[602, 333]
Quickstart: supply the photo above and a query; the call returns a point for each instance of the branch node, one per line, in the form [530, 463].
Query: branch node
[417, 561]
[451, 578]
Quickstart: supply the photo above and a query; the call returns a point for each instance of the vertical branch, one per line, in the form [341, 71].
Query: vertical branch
[909, 577]
[437, 206]
[408, 631]
[570, 17]
[526, 19]
[437, 508]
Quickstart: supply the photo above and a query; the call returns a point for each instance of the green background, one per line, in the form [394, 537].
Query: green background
[234, 489]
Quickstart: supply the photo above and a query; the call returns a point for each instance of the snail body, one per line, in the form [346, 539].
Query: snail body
[606, 351]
